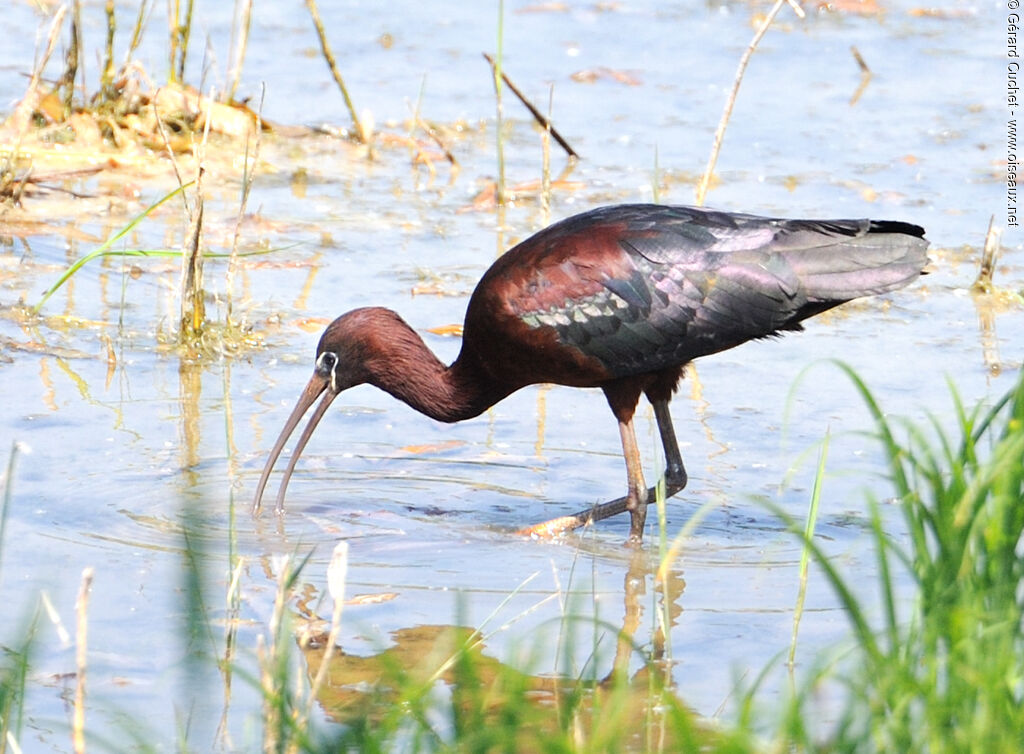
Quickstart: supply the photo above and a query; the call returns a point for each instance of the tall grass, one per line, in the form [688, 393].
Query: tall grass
[944, 672]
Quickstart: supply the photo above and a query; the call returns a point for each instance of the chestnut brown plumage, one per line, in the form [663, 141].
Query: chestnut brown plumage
[619, 298]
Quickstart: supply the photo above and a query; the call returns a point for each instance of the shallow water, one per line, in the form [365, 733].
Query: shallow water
[121, 450]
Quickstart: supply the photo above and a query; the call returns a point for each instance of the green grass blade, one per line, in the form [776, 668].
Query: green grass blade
[805, 556]
[855, 612]
[105, 246]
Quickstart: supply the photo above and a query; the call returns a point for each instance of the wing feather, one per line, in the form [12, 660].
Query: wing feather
[645, 287]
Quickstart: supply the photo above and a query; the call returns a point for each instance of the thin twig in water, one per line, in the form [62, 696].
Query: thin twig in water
[496, 74]
[337, 573]
[983, 283]
[140, 21]
[81, 654]
[865, 75]
[170, 152]
[656, 179]
[233, 608]
[716, 147]
[248, 176]
[107, 71]
[332, 64]
[21, 119]
[73, 57]
[239, 40]
[180, 33]
[545, 173]
[5, 501]
[864, 69]
[544, 122]
[430, 131]
[193, 307]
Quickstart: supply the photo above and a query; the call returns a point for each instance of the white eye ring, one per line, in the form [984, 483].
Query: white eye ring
[328, 361]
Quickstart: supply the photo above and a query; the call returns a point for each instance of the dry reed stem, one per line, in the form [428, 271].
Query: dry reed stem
[81, 653]
[179, 33]
[193, 308]
[263, 661]
[716, 146]
[233, 606]
[136, 39]
[248, 176]
[545, 173]
[325, 47]
[240, 27]
[21, 118]
[267, 657]
[170, 150]
[107, 71]
[499, 114]
[193, 312]
[865, 75]
[544, 122]
[337, 572]
[55, 619]
[983, 283]
[72, 57]
[430, 131]
[656, 179]
[864, 69]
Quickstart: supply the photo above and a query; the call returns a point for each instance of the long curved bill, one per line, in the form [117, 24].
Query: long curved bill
[312, 391]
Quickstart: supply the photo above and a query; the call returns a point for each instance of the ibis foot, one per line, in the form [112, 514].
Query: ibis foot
[599, 512]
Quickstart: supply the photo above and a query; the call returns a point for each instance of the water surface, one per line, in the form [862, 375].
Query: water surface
[126, 449]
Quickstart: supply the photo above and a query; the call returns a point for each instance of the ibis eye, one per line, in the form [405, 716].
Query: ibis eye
[327, 364]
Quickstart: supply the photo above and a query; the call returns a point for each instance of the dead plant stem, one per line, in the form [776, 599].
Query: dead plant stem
[865, 75]
[325, 47]
[170, 152]
[337, 572]
[81, 655]
[72, 58]
[716, 146]
[241, 23]
[184, 33]
[248, 176]
[544, 122]
[107, 74]
[545, 173]
[496, 70]
[983, 283]
[21, 118]
[140, 22]
[430, 131]
[193, 308]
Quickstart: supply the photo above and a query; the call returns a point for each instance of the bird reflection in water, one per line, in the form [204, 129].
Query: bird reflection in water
[365, 689]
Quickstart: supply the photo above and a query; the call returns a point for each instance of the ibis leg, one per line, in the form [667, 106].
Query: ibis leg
[622, 397]
[636, 497]
[675, 472]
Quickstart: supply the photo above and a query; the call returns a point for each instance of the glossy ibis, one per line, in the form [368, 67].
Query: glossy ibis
[619, 298]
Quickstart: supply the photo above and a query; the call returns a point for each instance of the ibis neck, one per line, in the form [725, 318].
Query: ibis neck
[412, 373]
